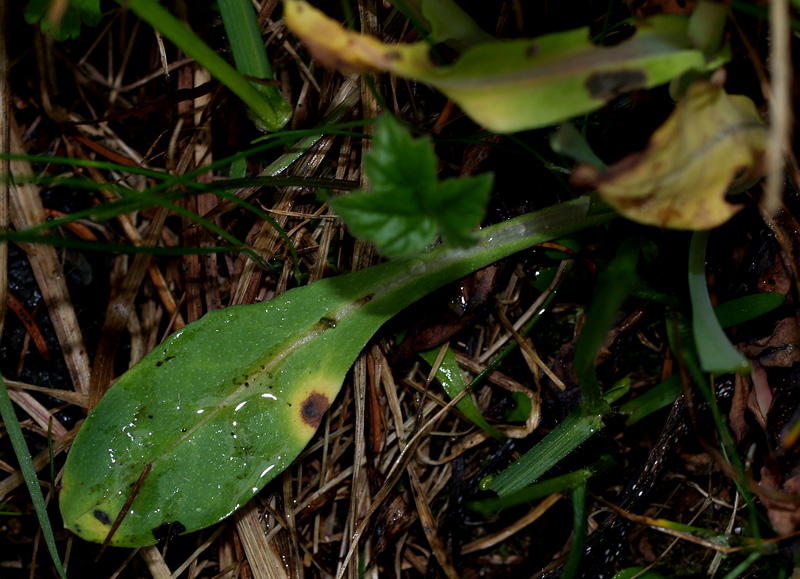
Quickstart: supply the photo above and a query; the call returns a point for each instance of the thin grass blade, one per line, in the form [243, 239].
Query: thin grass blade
[29, 473]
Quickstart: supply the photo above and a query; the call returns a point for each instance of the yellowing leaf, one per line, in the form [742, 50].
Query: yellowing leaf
[334, 46]
[515, 85]
[711, 142]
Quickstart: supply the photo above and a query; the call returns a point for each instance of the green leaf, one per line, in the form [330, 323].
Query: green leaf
[449, 375]
[241, 25]
[225, 404]
[451, 25]
[745, 308]
[539, 490]
[14, 431]
[407, 206]
[522, 408]
[714, 349]
[399, 161]
[579, 525]
[654, 399]
[638, 573]
[613, 285]
[173, 29]
[569, 142]
[570, 433]
[78, 12]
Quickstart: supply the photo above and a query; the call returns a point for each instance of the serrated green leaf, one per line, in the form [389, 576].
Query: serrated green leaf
[462, 205]
[78, 12]
[397, 160]
[394, 235]
[407, 206]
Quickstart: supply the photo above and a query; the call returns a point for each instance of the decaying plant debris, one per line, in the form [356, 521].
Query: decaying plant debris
[78, 318]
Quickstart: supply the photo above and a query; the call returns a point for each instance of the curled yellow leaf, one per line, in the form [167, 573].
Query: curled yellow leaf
[712, 142]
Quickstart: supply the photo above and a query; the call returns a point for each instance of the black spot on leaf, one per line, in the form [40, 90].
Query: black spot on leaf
[102, 517]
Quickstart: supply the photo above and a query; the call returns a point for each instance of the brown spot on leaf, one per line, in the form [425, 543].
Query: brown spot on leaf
[313, 408]
[532, 50]
[365, 300]
[608, 85]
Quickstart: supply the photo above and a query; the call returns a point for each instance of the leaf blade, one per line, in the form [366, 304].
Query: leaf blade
[297, 348]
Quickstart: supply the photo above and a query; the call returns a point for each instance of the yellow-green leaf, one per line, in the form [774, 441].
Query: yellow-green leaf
[711, 142]
[515, 85]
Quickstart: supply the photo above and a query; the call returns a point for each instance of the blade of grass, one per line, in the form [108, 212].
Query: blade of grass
[731, 313]
[654, 399]
[714, 349]
[557, 484]
[745, 308]
[743, 565]
[613, 286]
[29, 473]
[570, 433]
[681, 340]
[579, 524]
[249, 54]
[177, 33]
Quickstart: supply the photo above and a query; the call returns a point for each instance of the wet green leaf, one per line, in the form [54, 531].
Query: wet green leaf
[226, 403]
